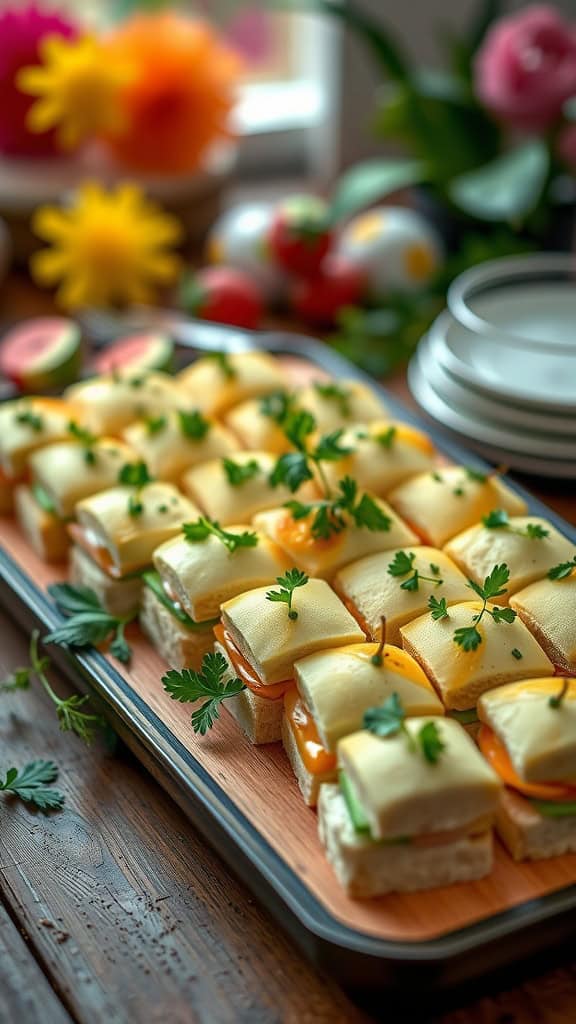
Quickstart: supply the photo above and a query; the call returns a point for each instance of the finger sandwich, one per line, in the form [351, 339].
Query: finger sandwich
[382, 455]
[217, 381]
[548, 609]
[174, 441]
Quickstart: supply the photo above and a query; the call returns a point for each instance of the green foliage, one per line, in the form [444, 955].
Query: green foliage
[288, 583]
[88, 623]
[238, 473]
[372, 181]
[507, 188]
[205, 527]
[210, 683]
[31, 784]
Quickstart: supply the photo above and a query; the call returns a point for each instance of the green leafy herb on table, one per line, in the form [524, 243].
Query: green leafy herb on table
[563, 570]
[209, 684]
[193, 425]
[87, 439]
[390, 719]
[328, 515]
[238, 473]
[402, 565]
[205, 527]
[333, 392]
[88, 623]
[469, 637]
[498, 519]
[288, 583]
[32, 784]
[69, 710]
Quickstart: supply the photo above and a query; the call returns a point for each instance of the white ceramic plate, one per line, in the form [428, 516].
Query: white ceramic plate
[528, 378]
[489, 409]
[543, 458]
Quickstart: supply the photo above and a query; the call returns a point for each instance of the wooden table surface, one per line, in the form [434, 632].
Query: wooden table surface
[116, 910]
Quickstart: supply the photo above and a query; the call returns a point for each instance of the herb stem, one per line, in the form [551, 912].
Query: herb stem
[377, 657]
[324, 479]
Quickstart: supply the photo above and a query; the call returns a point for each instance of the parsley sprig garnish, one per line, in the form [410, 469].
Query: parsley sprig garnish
[288, 584]
[155, 424]
[334, 393]
[390, 719]
[193, 425]
[329, 515]
[377, 658]
[208, 684]
[239, 473]
[277, 406]
[69, 711]
[135, 474]
[205, 527]
[86, 438]
[294, 468]
[563, 570]
[88, 623]
[438, 609]
[30, 419]
[31, 784]
[469, 637]
[557, 700]
[402, 565]
[498, 519]
[386, 437]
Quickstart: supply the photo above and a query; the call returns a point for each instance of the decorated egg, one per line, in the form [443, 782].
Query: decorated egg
[396, 247]
[238, 239]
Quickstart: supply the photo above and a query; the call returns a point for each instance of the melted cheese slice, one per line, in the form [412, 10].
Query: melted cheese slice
[548, 608]
[359, 405]
[110, 403]
[256, 430]
[323, 558]
[369, 590]
[379, 467]
[478, 549]
[402, 794]
[212, 390]
[63, 471]
[168, 453]
[131, 539]
[19, 439]
[339, 686]
[208, 485]
[271, 642]
[441, 504]
[540, 740]
[462, 676]
[204, 574]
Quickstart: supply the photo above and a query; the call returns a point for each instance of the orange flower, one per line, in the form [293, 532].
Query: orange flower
[179, 100]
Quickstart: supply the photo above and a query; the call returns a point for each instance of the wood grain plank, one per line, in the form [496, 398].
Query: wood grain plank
[25, 993]
[132, 916]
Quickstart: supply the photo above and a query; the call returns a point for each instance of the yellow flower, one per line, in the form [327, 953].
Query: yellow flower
[108, 248]
[78, 88]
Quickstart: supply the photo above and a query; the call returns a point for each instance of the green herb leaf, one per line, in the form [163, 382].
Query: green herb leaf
[32, 785]
[19, 679]
[291, 470]
[536, 532]
[496, 519]
[193, 425]
[438, 609]
[277, 406]
[288, 583]
[401, 564]
[430, 742]
[368, 514]
[386, 720]
[333, 392]
[155, 424]
[205, 527]
[494, 584]
[387, 437]
[516, 654]
[81, 434]
[468, 638]
[189, 686]
[329, 448]
[499, 519]
[503, 614]
[562, 571]
[30, 419]
[89, 624]
[475, 475]
[134, 474]
[298, 427]
[239, 473]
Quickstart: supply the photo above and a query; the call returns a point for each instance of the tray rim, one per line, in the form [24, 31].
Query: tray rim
[196, 781]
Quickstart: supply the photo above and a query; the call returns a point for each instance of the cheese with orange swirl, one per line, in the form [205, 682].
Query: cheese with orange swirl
[460, 676]
[383, 455]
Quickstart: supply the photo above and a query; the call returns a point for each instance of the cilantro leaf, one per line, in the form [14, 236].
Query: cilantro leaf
[329, 448]
[468, 638]
[288, 583]
[239, 473]
[134, 474]
[155, 424]
[387, 437]
[369, 515]
[496, 519]
[401, 564]
[298, 427]
[32, 785]
[386, 720]
[562, 571]
[430, 742]
[536, 532]
[494, 584]
[193, 425]
[438, 609]
[187, 686]
[291, 470]
[277, 406]
[30, 419]
[516, 654]
[476, 475]
[333, 392]
[205, 527]
[503, 614]
[89, 624]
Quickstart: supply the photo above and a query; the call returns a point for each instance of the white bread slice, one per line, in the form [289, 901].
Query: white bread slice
[383, 455]
[462, 676]
[548, 609]
[366, 869]
[168, 452]
[540, 739]
[46, 533]
[119, 597]
[403, 794]
[370, 592]
[260, 719]
[214, 388]
[529, 835]
[179, 646]
[478, 549]
[324, 558]
[271, 642]
[353, 402]
[440, 504]
[308, 781]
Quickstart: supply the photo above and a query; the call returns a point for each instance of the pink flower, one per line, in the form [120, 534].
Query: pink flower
[526, 67]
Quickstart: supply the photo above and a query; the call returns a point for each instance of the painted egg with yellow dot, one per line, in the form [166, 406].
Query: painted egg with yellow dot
[238, 239]
[396, 248]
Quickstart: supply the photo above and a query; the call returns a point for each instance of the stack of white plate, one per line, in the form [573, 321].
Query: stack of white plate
[498, 367]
